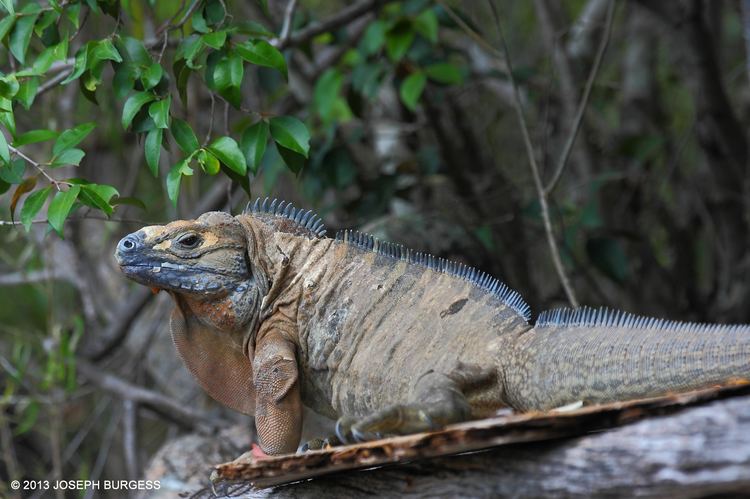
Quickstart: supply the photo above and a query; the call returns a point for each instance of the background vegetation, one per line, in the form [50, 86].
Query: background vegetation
[585, 151]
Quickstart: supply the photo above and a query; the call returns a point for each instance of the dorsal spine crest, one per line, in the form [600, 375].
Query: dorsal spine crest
[306, 219]
[609, 318]
[481, 279]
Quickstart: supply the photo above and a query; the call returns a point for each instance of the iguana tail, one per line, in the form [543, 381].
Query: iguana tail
[604, 355]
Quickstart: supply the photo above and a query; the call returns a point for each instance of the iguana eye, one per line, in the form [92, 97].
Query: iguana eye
[189, 241]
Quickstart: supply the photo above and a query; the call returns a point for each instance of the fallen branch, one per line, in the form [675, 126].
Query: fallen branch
[169, 408]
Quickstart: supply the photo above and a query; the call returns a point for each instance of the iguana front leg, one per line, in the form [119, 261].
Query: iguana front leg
[278, 407]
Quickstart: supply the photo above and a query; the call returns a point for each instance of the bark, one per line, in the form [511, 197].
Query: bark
[698, 451]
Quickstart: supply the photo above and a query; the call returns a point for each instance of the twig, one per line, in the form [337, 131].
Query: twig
[210, 119]
[565, 155]
[479, 39]
[745, 5]
[286, 27]
[101, 457]
[52, 83]
[56, 183]
[169, 27]
[344, 16]
[226, 118]
[87, 217]
[534, 168]
[172, 409]
[130, 438]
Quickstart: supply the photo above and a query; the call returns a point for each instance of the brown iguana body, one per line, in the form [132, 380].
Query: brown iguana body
[270, 315]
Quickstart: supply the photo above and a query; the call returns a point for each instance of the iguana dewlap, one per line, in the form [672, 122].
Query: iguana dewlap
[271, 314]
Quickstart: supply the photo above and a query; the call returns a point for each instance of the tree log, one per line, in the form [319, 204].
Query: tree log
[698, 451]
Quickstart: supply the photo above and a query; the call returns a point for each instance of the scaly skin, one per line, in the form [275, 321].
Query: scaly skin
[270, 316]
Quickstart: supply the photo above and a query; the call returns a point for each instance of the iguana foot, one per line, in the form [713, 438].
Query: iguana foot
[320, 443]
[393, 420]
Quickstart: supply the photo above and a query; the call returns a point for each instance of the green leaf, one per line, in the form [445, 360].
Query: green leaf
[182, 72]
[228, 152]
[215, 40]
[34, 136]
[32, 205]
[133, 50]
[291, 133]
[175, 176]
[21, 36]
[189, 49]
[445, 73]
[49, 55]
[72, 137]
[153, 150]
[104, 191]
[263, 53]
[253, 29]
[71, 156]
[27, 92]
[134, 104]
[152, 75]
[326, 91]
[426, 25]
[124, 79]
[79, 66]
[253, 144]
[104, 50]
[28, 418]
[90, 196]
[4, 150]
[374, 37]
[184, 136]
[12, 172]
[130, 201]
[6, 24]
[292, 159]
[8, 5]
[199, 22]
[159, 112]
[208, 162]
[215, 12]
[9, 86]
[60, 207]
[411, 89]
[399, 39]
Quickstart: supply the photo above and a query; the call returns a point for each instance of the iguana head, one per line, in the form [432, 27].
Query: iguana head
[202, 262]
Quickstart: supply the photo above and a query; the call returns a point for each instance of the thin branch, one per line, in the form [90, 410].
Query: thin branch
[130, 438]
[188, 13]
[344, 16]
[86, 217]
[534, 168]
[174, 410]
[286, 27]
[479, 39]
[56, 183]
[565, 155]
[52, 83]
[210, 119]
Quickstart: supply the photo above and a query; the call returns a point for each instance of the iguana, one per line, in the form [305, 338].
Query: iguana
[270, 314]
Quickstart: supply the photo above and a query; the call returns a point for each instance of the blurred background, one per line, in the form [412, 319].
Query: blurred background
[625, 184]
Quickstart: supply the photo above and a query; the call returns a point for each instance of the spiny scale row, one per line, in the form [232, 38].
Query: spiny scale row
[400, 252]
[609, 318]
[307, 219]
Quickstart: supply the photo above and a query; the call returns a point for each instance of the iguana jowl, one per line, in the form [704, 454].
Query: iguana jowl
[270, 314]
